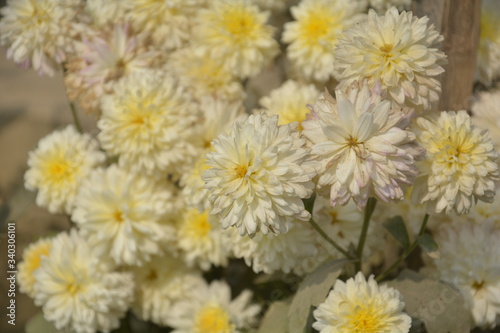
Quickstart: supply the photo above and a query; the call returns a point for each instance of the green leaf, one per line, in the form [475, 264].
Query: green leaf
[38, 324]
[312, 291]
[429, 245]
[397, 227]
[276, 318]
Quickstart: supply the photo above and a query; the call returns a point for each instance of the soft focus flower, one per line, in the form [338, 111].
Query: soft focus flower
[459, 168]
[211, 310]
[362, 306]
[259, 174]
[103, 12]
[381, 6]
[362, 146]
[235, 33]
[78, 290]
[61, 161]
[145, 121]
[40, 33]
[32, 257]
[488, 57]
[486, 114]
[124, 215]
[315, 32]
[397, 51]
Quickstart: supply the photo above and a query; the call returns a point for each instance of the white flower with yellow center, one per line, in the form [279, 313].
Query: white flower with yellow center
[78, 291]
[211, 310]
[362, 145]
[362, 306]
[488, 57]
[381, 6]
[259, 174]
[124, 215]
[315, 32]
[40, 33]
[460, 165]
[397, 51]
[145, 121]
[236, 34]
[32, 257]
[57, 167]
[290, 101]
[485, 114]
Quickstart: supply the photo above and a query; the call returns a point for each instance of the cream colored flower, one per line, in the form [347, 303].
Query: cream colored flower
[486, 114]
[57, 167]
[315, 33]
[460, 167]
[78, 291]
[488, 57]
[235, 33]
[396, 51]
[32, 257]
[362, 145]
[104, 12]
[358, 305]
[259, 174]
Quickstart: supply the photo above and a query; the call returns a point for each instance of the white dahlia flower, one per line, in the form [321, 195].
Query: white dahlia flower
[315, 32]
[486, 114]
[362, 145]
[32, 257]
[488, 57]
[259, 174]
[78, 290]
[57, 167]
[236, 34]
[362, 306]
[460, 165]
[396, 51]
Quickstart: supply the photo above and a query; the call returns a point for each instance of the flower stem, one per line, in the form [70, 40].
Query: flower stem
[75, 117]
[406, 253]
[329, 240]
[369, 209]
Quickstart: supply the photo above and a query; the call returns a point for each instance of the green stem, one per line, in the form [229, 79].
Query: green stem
[75, 117]
[369, 209]
[406, 253]
[329, 240]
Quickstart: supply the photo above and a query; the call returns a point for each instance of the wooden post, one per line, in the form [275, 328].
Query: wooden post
[458, 21]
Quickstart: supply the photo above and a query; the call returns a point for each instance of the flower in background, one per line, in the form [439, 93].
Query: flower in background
[362, 146]
[358, 305]
[396, 51]
[236, 34]
[315, 32]
[40, 33]
[211, 310]
[488, 57]
[289, 102]
[57, 167]
[486, 114]
[381, 6]
[460, 165]
[259, 173]
[78, 290]
[32, 257]
[103, 12]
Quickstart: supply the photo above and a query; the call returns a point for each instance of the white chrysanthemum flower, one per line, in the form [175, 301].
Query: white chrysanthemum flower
[123, 215]
[145, 121]
[358, 305]
[236, 34]
[160, 284]
[470, 259]
[381, 6]
[315, 33]
[486, 113]
[290, 101]
[397, 51]
[460, 167]
[32, 257]
[362, 146]
[61, 161]
[104, 12]
[288, 252]
[259, 175]
[488, 57]
[212, 310]
[78, 291]
[40, 33]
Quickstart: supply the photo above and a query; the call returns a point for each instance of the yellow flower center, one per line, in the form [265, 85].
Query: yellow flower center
[59, 170]
[197, 225]
[34, 256]
[73, 287]
[365, 319]
[292, 114]
[239, 23]
[118, 216]
[240, 171]
[352, 142]
[152, 276]
[318, 25]
[213, 319]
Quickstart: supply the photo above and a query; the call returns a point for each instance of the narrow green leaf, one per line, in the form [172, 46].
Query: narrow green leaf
[276, 318]
[397, 227]
[429, 245]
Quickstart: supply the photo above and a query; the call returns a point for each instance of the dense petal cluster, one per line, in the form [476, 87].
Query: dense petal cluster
[32, 257]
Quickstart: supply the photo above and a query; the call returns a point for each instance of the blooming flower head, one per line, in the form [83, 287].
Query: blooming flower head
[123, 215]
[315, 32]
[59, 164]
[32, 257]
[103, 12]
[460, 167]
[235, 33]
[397, 51]
[145, 121]
[358, 305]
[78, 291]
[259, 174]
[40, 33]
[211, 310]
[290, 101]
[362, 146]
[486, 114]
[489, 42]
